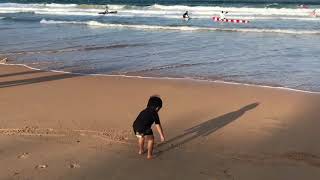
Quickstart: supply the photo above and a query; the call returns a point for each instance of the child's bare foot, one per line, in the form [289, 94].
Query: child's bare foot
[141, 152]
[149, 157]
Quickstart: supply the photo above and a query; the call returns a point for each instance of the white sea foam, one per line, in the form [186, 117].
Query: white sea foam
[173, 11]
[182, 28]
[54, 5]
[44, 21]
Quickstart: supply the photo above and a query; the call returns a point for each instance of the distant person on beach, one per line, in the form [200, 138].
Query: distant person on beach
[186, 15]
[142, 125]
[223, 14]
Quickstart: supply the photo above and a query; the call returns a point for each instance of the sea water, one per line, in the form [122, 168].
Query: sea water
[279, 46]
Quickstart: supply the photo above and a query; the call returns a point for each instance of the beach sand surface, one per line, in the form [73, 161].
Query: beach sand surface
[66, 126]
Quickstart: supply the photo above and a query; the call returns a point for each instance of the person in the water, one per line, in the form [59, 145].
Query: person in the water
[107, 10]
[223, 14]
[186, 15]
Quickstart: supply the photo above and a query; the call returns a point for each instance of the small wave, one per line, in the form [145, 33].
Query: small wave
[98, 24]
[170, 66]
[44, 21]
[234, 10]
[280, 18]
[153, 10]
[177, 78]
[182, 28]
[273, 5]
[284, 31]
[174, 7]
[110, 6]
[71, 49]
[60, 5]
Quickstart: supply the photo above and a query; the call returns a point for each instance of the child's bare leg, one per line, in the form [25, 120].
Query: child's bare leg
[141, 145]
[150, 139]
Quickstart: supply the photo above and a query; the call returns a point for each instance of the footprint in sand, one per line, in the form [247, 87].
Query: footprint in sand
[74, 165]
[41, 166]
[308, 158]
[23, 156]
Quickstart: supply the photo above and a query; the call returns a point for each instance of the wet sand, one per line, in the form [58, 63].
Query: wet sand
[66, 126]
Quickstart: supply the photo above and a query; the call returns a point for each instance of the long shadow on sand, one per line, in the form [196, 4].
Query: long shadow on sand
[203, 129]
[36, 80]
[20, 73]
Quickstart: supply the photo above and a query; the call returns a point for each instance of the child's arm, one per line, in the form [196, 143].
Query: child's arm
[160, 131]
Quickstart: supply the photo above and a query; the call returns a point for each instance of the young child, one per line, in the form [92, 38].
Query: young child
[142, 125]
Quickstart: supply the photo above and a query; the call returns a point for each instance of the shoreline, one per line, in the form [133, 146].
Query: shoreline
[170, 78]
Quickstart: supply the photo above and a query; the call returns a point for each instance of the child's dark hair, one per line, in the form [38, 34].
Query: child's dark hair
[155, 101]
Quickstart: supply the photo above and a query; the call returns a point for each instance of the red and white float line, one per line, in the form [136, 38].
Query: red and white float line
[218, 19]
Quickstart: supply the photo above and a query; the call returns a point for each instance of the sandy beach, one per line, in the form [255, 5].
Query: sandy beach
[67, 126]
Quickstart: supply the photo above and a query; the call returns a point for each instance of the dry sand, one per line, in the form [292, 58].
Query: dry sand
[64, 126]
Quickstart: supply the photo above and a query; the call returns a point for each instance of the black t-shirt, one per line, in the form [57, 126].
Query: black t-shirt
[145, 120]
[185, 15]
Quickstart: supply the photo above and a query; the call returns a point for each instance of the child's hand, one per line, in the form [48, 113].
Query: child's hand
[162, 138]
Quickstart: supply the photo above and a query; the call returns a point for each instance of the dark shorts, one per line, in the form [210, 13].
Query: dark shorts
[147, 132]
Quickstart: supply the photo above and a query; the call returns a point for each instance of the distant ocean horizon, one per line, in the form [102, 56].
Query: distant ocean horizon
[168, 2]
[278, 47]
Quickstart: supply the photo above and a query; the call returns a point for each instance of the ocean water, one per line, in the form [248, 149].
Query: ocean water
[279, 46]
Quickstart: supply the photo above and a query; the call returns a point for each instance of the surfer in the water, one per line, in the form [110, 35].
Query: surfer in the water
[223, 14]
[186, 15]
[107, 10]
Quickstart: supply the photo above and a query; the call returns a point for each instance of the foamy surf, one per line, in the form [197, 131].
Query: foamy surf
[173, 11]
[55, 5]
[181, 28]
[277, 47]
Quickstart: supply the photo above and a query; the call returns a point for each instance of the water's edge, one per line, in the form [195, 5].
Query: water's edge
[171, 78]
